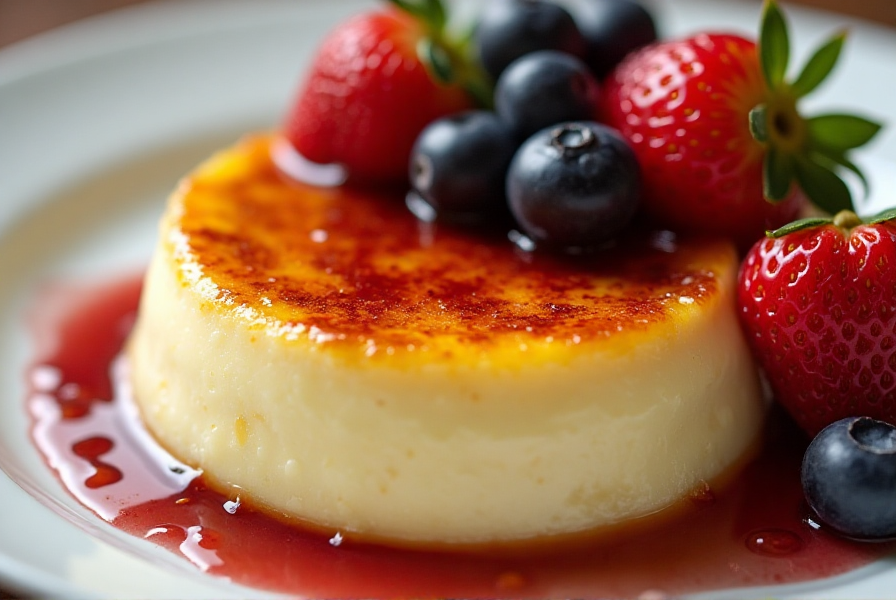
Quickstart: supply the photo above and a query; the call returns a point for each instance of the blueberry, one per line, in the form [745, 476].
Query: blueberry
[458, 163]
[545, 88]
[575, 184]
[612, 29]
[849, 477]
[508, 29]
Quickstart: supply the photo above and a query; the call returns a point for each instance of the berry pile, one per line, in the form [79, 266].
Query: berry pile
[717, 143]
[392, 95]
[566, 180]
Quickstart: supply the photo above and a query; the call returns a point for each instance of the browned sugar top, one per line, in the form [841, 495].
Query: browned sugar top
[356, 269]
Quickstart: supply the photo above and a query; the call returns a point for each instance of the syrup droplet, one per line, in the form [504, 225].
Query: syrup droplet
[91, 449]
[774, 542]
[73, 400]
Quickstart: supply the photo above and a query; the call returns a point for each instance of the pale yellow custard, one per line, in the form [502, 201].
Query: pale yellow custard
[344, 364]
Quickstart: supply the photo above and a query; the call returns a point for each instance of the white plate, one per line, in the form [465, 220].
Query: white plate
[97, 122]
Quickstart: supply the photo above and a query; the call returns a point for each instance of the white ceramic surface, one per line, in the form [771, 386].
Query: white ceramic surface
[97, 122]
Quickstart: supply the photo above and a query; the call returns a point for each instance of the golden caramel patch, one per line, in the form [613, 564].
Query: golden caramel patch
[356, 272]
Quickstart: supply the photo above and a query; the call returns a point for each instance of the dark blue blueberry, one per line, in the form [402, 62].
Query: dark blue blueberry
[612, 29]
[458, 164]
[508, 29]
[574, 185]
[849, 477]
[545, 88]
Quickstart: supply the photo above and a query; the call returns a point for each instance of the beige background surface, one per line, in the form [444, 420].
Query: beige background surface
[20, 19]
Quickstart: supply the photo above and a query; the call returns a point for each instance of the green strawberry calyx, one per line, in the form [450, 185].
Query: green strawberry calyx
[807, 151]
[446, 55]
[846, 220]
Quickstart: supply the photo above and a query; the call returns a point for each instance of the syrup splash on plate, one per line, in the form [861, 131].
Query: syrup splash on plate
[754, 531]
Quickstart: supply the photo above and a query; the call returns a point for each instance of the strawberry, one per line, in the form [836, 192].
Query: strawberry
[376, 81]
[716, 129]
[817, 300]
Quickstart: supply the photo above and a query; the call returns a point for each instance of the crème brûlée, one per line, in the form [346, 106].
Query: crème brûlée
[342, 363]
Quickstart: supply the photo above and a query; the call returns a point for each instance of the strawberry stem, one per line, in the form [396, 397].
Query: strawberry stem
[806, 152]
[846, 219]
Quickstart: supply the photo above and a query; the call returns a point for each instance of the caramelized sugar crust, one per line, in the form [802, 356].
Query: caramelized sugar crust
[355, 271]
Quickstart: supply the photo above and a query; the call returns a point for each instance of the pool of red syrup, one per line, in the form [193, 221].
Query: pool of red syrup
[755, 531]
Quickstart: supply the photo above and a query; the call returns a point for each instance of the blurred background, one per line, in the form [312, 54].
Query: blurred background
[22, 18]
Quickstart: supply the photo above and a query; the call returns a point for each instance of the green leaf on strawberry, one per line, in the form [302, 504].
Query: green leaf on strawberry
[809, 152]
[797, 226]
[839, 133]
[845, 219]
[817, 177]
[887, 215]
[774, 44]
[430, 12]
[448, 58]
[819, 66]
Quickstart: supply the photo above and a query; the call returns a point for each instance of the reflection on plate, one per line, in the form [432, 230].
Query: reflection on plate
[100, 119]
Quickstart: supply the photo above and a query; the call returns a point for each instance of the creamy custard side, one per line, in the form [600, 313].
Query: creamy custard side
[344, 364]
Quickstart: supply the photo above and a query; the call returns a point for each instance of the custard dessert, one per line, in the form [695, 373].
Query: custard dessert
[339, 362]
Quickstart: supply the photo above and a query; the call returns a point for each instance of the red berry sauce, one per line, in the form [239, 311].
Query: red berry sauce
[752, 531]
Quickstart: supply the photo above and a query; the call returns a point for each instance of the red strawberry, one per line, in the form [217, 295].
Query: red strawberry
[818, 305]
[368, 93]
[717, 132]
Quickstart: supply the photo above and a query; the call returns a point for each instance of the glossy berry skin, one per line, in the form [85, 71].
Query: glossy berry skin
[612, 29]
[849, 477]
[367, 96]
[684, 106]
[459, 162]
[573, 185]
[544, 88]
[818, 307]
[508, 29]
